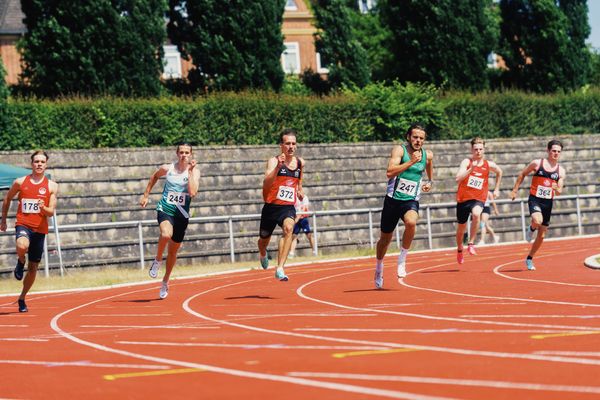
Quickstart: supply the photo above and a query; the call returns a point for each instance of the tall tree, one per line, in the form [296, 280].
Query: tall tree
[439, 41]
[234, 45]
[3, 86]
[335, 41]
[93, 47]
[542, 46]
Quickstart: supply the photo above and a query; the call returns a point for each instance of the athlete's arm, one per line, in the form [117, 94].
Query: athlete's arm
[194, 182]
[48, 210]
[464, 170]
[498, 171]
[394, 167]
[300, 193]
[271, 173]
[429, 169]
[161, 171]
[526, 171]
[558, 186]
[14, 189]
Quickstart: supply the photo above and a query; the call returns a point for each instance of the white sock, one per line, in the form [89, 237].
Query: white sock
[402, 256]
[379, 265]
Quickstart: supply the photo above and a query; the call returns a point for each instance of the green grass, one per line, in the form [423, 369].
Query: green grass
[106, 276]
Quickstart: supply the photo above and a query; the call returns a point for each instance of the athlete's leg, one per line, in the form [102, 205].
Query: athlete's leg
[539, 239]
[383, 244]
[475, 217]
[166, 232]
[311, 240]
[410, 226]
[483, 225]
[536, 220]
[460, 233]
[171, 259]
[286, 241]
[29, 278]
[22, 248]
[293, 246]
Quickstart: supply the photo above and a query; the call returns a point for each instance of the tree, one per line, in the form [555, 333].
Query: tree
[444, 42]
[345, 58]
[3, 86]
[595, 68]
[93, 47]
[233, 45]
[543, 47]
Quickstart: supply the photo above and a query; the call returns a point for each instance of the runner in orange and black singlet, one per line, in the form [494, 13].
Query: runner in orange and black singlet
[282, 185]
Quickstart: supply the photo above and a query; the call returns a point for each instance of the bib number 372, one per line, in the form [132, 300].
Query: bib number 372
[286, 193]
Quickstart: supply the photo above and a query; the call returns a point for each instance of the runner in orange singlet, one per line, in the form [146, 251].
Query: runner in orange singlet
[548, 180]
[37, 202]
[473, 183]
[282, 185]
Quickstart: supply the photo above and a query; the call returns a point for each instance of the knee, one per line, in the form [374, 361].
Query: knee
[166, 235]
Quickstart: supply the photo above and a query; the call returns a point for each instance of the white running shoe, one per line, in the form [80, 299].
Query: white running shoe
[402, 270]
[164, 290]
[153, 271]
[378, 278]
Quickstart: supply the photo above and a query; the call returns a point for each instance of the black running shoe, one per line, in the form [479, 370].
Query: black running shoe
[22, 306]
[19, 270]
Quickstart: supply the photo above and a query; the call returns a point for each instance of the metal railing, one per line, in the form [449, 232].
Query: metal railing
[426, 212]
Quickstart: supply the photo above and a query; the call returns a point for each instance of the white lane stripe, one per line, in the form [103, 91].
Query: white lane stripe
[456, 382]
[570, 353]
[150, 326]
[458, 351]
[233, 372]
[528, 316]
[14, 326]
[303, 315]
[452, 303]
[83, 364]
[448, 330]
[23, 340]
[127, 315]
[256, 346]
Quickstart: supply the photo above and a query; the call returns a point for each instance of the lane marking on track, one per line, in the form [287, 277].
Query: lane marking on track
[446, 381]
[453, 303]
[83, 364]
[402, 330]
[14, 326]
[372, 352]
[151, 326]
[565, 334]
[570, 353]
[255, 346]
[23, 340]
[152, 373]
[303, 315]
[127, 315]
[529, 316]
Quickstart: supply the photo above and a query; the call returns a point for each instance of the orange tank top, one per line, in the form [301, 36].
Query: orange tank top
[284, 190]
[541, 183]
[474, 186]
[29, 213]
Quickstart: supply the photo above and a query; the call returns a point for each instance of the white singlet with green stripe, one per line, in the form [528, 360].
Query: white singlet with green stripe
[176, 199]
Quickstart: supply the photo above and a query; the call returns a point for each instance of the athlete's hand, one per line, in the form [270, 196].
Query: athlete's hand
[495, 194]
[513, 194]
[191, 165]
[281, 158]
[300, 195]
[427, 186]
[416, 156]
[3, 226]
[143, 201]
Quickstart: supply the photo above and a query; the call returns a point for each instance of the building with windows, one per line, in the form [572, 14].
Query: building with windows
[11, 29]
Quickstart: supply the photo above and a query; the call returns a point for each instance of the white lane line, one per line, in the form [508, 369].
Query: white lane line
[448, 330]
[453, 303]
[529, 316]
[455, 382]
[303, 315]
[14, 326]
[150, 326]
[127, 315]
[83, 364]
[233, 372]
[256, 346]
[570, 353]
[23, 340]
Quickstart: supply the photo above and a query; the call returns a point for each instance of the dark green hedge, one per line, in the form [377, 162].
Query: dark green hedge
[374, 113]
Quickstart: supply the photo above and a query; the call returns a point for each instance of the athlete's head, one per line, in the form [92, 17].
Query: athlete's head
[287, 141]
[554, 149]
[39, 161]
[184, 151]
[477, 148]
[415, 136]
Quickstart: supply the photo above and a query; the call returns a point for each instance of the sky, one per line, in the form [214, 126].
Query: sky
[594, 18]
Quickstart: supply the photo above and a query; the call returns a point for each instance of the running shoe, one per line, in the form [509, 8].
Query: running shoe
[19, 271]
[22, 306]
[529, 234]
[279, 274]
[402, 270]
[164, 290]
[471, 249]
[264, 262]
[378, 278]
[480, 243]
[497, 239]
[153, 271]
[459, 257]
[529, 264]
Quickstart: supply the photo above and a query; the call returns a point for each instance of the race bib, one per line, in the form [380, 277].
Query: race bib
[407, 187]
[475, 182]
[176, 198]
[543, 192]
[286, 193]
[30, 206]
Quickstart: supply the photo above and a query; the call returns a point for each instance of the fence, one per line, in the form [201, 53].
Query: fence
[426, 214]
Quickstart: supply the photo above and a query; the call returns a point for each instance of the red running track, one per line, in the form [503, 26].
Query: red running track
[488, 329]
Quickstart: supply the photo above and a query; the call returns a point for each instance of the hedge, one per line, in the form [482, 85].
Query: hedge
[376, 112]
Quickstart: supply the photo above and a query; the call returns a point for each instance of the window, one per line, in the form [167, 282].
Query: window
[321, 66]
[171, 62]
[365, 5]
[290, 58]
[290, 5]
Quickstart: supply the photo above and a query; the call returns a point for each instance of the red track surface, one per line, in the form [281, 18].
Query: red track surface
[488, 329]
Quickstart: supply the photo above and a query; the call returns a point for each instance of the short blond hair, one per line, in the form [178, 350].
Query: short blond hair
[476, 140]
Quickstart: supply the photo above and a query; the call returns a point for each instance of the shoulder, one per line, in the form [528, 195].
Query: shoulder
[429, 154]
[398, 150]
[562, 171]
[465, 162]
[53, 186]
[302, 162]
[19, 181]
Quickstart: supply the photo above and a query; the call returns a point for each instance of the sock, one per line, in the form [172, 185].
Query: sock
[531, 228]
[529, 258]
[379, 265]
[402, 256]
[460, 251]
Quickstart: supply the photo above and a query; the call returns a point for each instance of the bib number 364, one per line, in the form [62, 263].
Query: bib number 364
[543, 192]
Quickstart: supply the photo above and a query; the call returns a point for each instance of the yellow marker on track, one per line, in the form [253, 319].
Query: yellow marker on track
[152, 373]
[371, 352]
[575, 333]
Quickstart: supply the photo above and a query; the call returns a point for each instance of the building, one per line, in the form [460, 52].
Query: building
[11, 29]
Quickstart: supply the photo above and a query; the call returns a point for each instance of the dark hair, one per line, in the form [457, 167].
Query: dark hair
[286, 132]
[184, 144]
[476, 140]
[413, 127]
[554, 142]
[37, 153]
